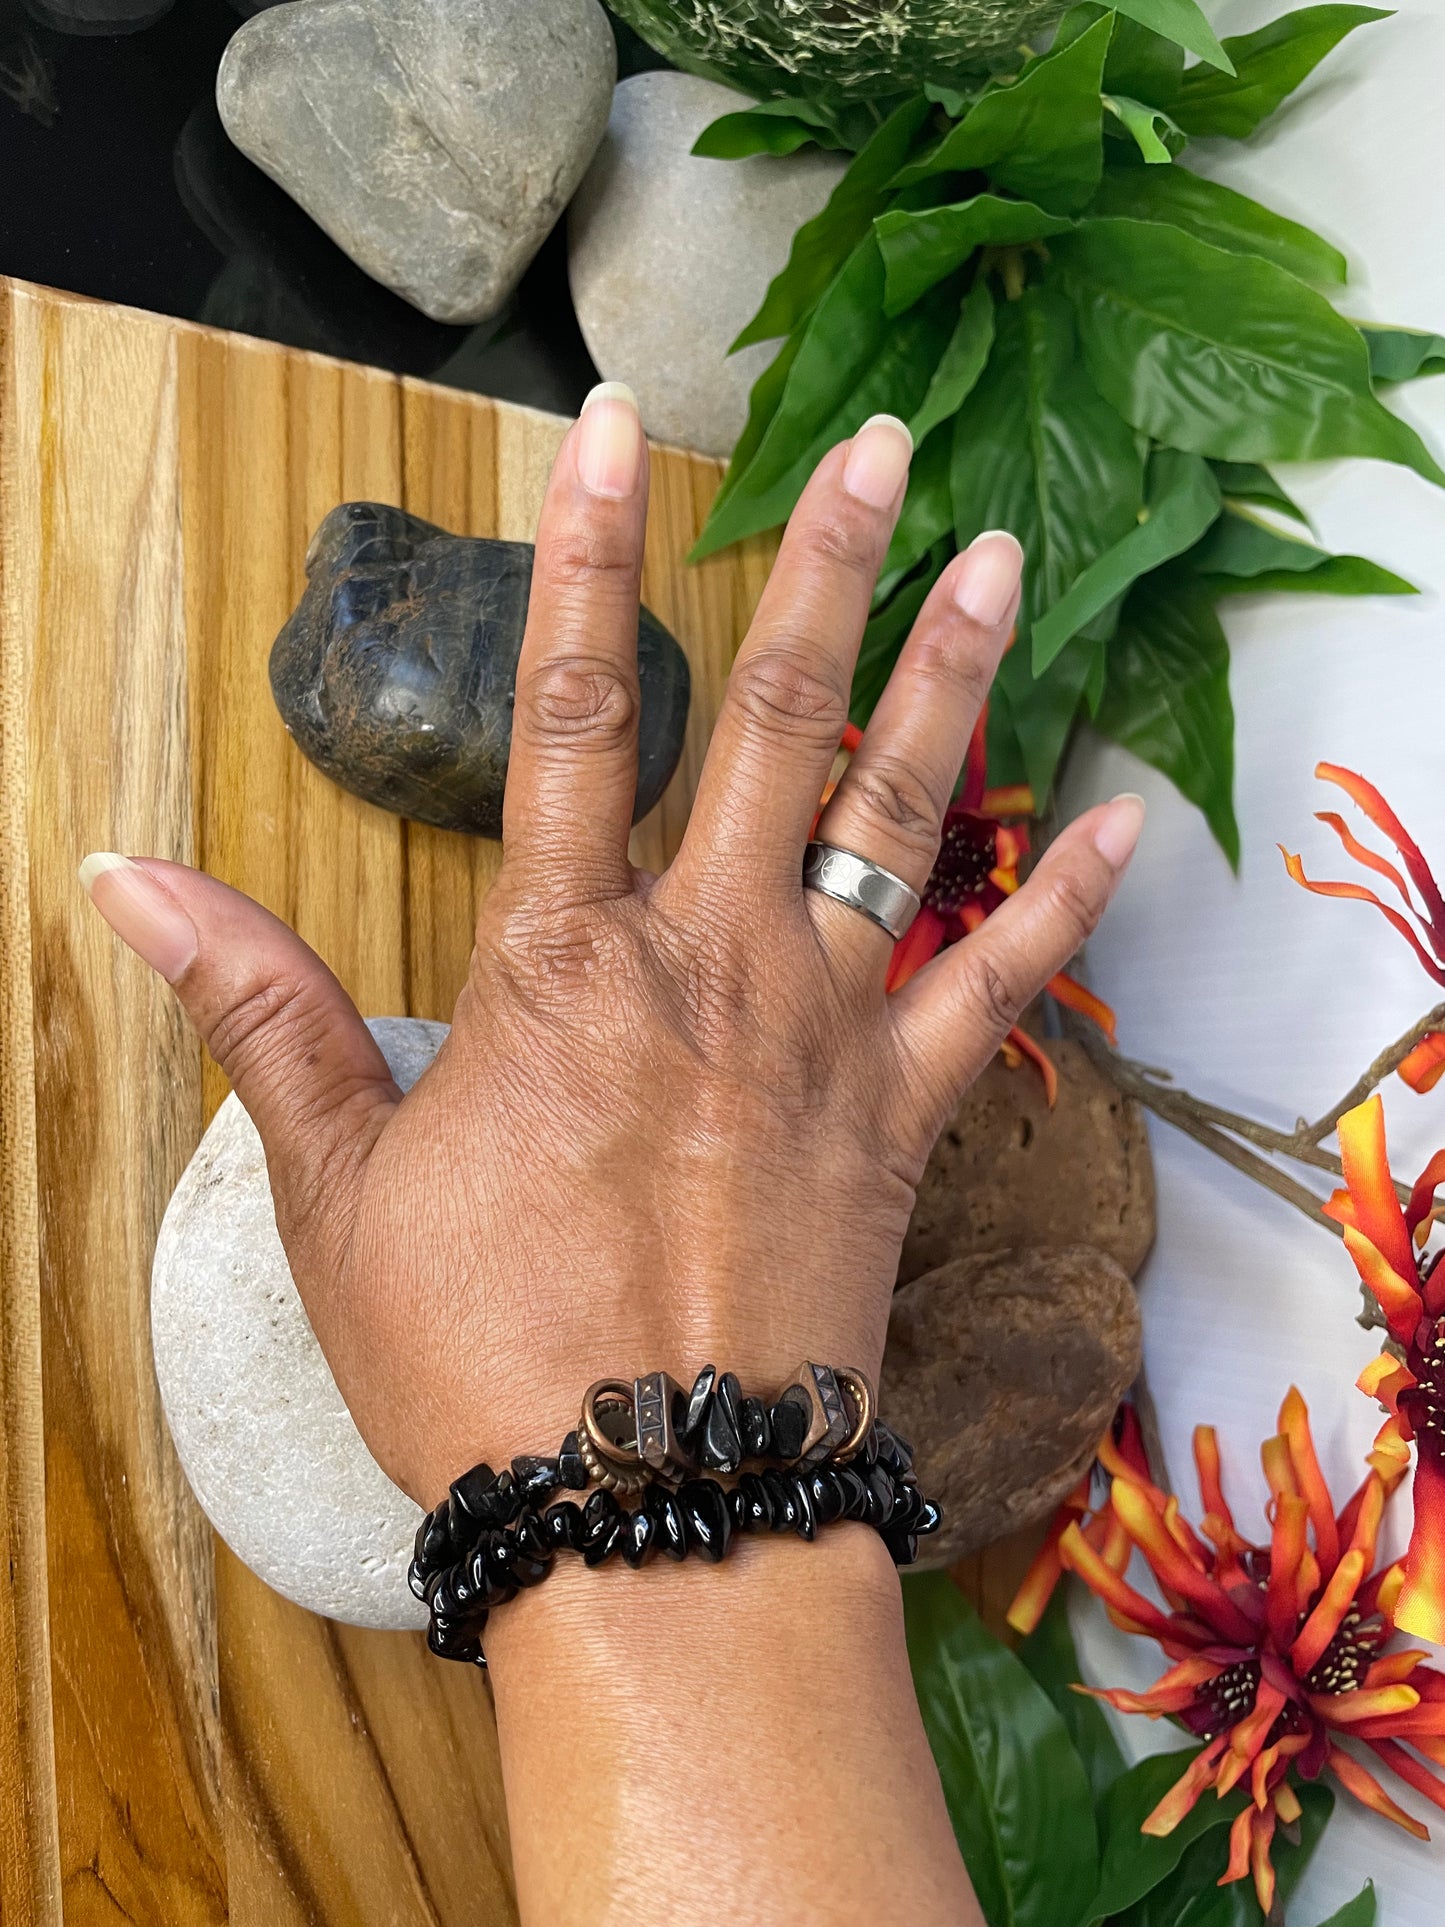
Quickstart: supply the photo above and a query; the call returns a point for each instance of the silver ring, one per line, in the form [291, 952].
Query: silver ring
[862, 884]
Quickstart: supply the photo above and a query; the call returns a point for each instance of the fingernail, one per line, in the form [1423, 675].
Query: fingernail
[986, 587]
[609, 442]
[140, 913]
[1117, 830]
[877, 464]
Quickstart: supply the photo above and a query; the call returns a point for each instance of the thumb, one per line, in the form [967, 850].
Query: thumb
[279, 1025]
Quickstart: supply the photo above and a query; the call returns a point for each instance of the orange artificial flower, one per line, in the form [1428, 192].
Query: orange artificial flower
[1388, 1244]
[1278, 1651]
[976, 870]
[1422, 925]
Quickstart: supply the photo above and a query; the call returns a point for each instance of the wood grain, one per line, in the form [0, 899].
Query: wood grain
[177, 1743]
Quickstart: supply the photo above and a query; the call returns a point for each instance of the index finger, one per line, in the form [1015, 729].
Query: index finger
[572, 771]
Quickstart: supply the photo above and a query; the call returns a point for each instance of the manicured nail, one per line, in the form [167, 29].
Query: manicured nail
[1117, 830]
[986, 587]
[140, 913]
[609, 442]
[877, 464]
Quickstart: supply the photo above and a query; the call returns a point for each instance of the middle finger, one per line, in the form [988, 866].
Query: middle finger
[787, 697]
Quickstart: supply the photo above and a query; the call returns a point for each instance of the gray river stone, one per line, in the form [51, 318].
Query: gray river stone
[270, 1449]
[669, 255]
[436, 141]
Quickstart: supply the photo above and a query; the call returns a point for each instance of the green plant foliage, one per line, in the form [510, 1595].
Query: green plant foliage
[1017, 1792]
[1047, 1815]
[1359, 1912]
[1268, 66]
[1050, 1656]
[1096, 348]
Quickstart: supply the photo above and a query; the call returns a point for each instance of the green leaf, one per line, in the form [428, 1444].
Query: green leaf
[1359, 1912]
[1167, 694]
[953, 103]
[1042, 710]
[1040, 136]
[852, 362]
[1244, 556]
[1132, 1863]
[1050, 1656]
[770, 127]
[927, 514]
[920, 250]
[1181, 503]
[1190, 1896]
[1182, 22]
[886, 633]
[1268, 65]
[960, 366]
[1038, 451]
[1248, 482]
[822, 245]
[1224, 354]
[1154, 134]
[763, 402]
[1016, 1790]
[1143, 65]
[1213, 213]
[1400, 354]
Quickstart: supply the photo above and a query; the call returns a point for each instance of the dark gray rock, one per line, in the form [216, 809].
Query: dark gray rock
[436, 141]
[396, 671]
[1002, 1370]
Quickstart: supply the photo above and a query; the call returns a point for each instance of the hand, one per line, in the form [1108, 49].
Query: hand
[676, 1119]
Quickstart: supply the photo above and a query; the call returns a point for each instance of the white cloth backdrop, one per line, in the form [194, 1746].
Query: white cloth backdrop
[1252, 992]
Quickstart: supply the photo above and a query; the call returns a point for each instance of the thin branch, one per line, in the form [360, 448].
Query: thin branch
[1389, 1060]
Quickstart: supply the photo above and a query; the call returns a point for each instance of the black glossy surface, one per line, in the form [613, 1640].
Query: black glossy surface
[117, 180]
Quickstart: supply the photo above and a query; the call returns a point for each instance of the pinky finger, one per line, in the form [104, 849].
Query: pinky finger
[956, 1012]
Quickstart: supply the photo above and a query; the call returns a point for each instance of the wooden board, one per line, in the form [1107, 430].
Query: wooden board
[178, 1744]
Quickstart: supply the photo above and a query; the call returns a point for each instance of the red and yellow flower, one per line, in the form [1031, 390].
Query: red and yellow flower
[1422, 921]
[976, 870]
[1388, 1243]
[1279, 1652]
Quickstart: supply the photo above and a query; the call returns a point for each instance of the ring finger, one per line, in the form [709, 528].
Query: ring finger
[890, 803]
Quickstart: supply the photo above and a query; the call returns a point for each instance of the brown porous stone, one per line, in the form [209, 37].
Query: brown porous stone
[1002, 1370]
[1008, 1172]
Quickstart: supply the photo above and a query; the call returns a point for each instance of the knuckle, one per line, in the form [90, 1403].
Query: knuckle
[583, 699]
[591, 559]
[963, 680]
[263, 1024]
[781, 692]
[1074, 907]
[840, 541]
[901, 799]
[999, 1000]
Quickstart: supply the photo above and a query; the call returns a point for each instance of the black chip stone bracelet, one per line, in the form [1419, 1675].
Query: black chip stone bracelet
[496, 1535]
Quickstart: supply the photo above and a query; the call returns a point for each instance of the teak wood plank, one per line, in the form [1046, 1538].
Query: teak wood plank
[178, 1744]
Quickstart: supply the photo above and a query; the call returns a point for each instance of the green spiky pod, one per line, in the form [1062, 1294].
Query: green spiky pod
[851, 48]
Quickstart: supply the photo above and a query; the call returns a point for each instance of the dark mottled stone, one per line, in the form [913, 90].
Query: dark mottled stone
[790, 1427]
[602, 1528]
[756, 1504]
[456, 1639]
[854, 1491]
[570, 1468]
[395, 672]
[721, 1444]
[639, 1537]
[825, 1494]
[779, 1489]
[564, 1525]
[531, 1534]
[754, 1430]
[805, 1518]
[434, 1539]
[671, 1527]
[896, 1453]
[536, 1478]
[472, 1490]
[698, 1406]
[880, 1495]
[705, 1512]
[902, 1546]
